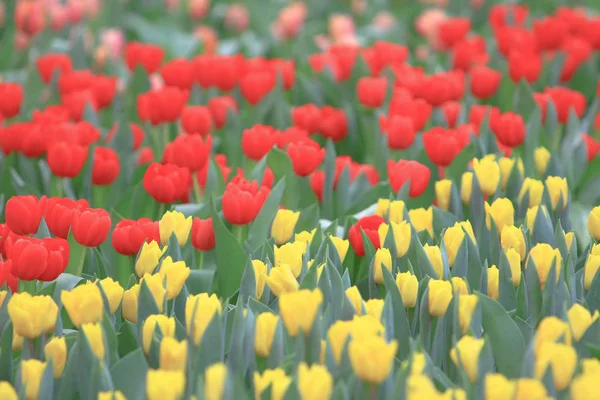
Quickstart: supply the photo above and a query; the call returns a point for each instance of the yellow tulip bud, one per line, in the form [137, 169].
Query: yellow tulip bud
[84, 304]
[372, 358]
[115, 395]
[561, 358]
[7, 392]
[320, 269]
[435, 257]
[113, 292]
[545, 257]
[355, 298]
[305, 237]
[314, 382]
[514, 261]
[502, 212]
[174, 222]
[156, 285]
[166, 325]
[95, 336]
[535, 189]
[374, 307]
[3, 294]
[593, 223]
[580, 319]
[408, 286]
[215, 377]
[290, 254]
[266, 326]
[551, 329]
[466, 225]
[383, 258]
[260, 276]
[172, 353]
[557, 189]
[402, 233]
[281, 280]
[418, 362]
[453, 238]
[283, 225]
[130, 303]
[592, 264]
[396, 211]
[31, 376]
[422, 219]
[199, 312]
[149, 257]
[459, 285]
[421, 387]
[569, 239]
[488, 174]
[276, 379]
[512, 237]
[529, 388]
[383, 207]
[493, 282]
[32, 315]
[440, 296]
[341, 245]
[591, 366]
[584, 387]
[175, 273]
[360, 326]
[497, 387]
[531, 215]
[466, 308]
[443, 191]
[466, 187]
[465, 355]
[56, 349]
[506, 167]
[299, 309]
[165, 384]
[541, 155]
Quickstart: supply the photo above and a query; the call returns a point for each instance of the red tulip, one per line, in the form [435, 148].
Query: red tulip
[43, 259]
[592, 146]
[242, 201]
[196, 120]
[33, 139]
[498, 15]
[400, 131]
[166, 183]
[191, 152]
[23, 214]
[255, 86]
[524, 65]
[5, 232]
[91, 226]
[221, 162]
[85, 133]
[178, 73]
[453, 30]
[11, 138]
[578, 51]
[6, 276]
[146, 156]
[565, 100]
[203, 234]
[550, 32]
[66, 160]
[258, 141]
[220, 107]
[418, 110]
[162, 106]
[469, 53]
[148, 56]
[484, 82]
[305, 156]
[58, 258]
[307, 117]
[317, 184]
[370, 226]
[451, 111]
[509, 129]
[75, 81]
[52, 63]
[59, 214]
[478, 112]
[333, 123]
[104, 89]
[106, 167]
[441, 146]
[371, 91]
[55, 114]
[136, 131]
[293, 134]
[403, 171]
[129, 235]
[76, 102]
[11, 98]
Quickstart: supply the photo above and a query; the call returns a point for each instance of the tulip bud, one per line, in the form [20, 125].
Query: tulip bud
[498, 387]
[113, 292]
[502, 212]
[535, 189]
[506, 167]
[531, 215]
[115, 395]
[408, 286]
[281, 280]
[582, 386]
[402, 235]
[215, 378]
[90, 227]
[173, 354]
[569, 239]
[84, 304]
[493, 282]
[544, 257]
[465, 355]
[95, 337]
[174, 222]
[305, 237]
[290, 254]
[148, 258]
[592, 264]
[32, 315]
[443, 191]
[299, 309]
[7, 391]
[156, 286]
[283, 225]
[558, 189]
[56, 349]
[551, 329]
[372, 358]
[24, 213]
[459, 285]
[129, 307]
[512, 237]
[488, 174]
[435, 257]
[355, 298]
[374, 308]
[422, 219]
[266, 326]
[314, 382]
[580, 319]
[593, 223]
[541, 155]
[440, 296]
[32, 371]
[199, 312]
[166, 325]
[466, 307]
[276, 379]
[260, 275]
[341, 245]
[453, 238]
[203, 234]
[156, 389]
[561, 358]
[175, 273]
[514, 261]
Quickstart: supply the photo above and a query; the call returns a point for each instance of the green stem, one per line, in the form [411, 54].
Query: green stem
[166, 135]
[124, 270]
[79, 269]
[27, 286]
[161, 210]
[433, 327]
[238, 233]
[201, 260]
[197, 191]
[59, 187]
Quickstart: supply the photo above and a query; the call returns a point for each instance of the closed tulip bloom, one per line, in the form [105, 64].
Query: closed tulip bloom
[408, 286]
[552, 329]
[383, 258]
[403, 171]
[150, 255]
[356, 299]
[23, 214]
[130, 303]
[558, 189]
[174, 222]
[541, 156]
[203, 234]
[66, 160]
[493, 282]
[561, 358]
[95, 336]
[421, 219]
[592, 264]
[305, 237]
[173, 354]
[156, 285]
[530, 388]
[49, 64]
[56, 350]
[7, 392]
[580, 319]
[506, 167]
[281, 280]
[242, 201]
[114, 395]
[290, 254]
[266, 326]
[488, 175]
[199, 312]
[402, 235]
[453, 238]
[106, 167]
[372, 358]
[164, 384]
[440, 296]
[32, 258]
[535, 189]
[91, 227]
[84, 304]
[435, 256]
[569, 239]
[466, 187]
[593, 223]
[374, 308]
[514, 261]
[215, 378]
[305, 156]
[545, 257]
[532, 213]
[371, 91]
[32, 315]
[370, 225]
[175, 274]
[276, 379]
[32, 371]
[113, 292]
[512, 237]
[466, 307]
[484, 81]
[421, 387]
[443, 190]
[584, 387]
[497, 387]
[400, 131]
[260, 276]
[359, 327]
[164, 323]
[314, 382]
[502, 212]
[441, 145]
[465, 355]
[166, 183]
[196, 120]
[258, 141]
[283, 225]
[129, 236]
[59, 214]
[299, 309]
[341, 245]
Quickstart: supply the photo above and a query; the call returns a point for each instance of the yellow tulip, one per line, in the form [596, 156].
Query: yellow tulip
[215, 377]
[113, 292]
[421, 387]
[593, 223]
[156, 285]
[435, 257]
[584, 388]
[359, 327]
[383, 207]
[561, 358]
[356, 299]
[283, 225]
[260, 276]
[305, 237]
[276, 379]
[459, 285]
[115, 395]
[56, 350]
[493, 282]
[31, 376]
[453, 238]
[466, 187]
[497, 387]
[17, 342]
[84, 304]
[173, 354]
[175, 274]
[166, 325]
[372, 358]
[266, 326]
[557, 189]
[130, 303]
[532, 213]
[502, 212]
[408, 286]
[529, 388]
[580, 319]
[174, 222]
[290, 254]
[95, 337]
[440, 296]
[506, 167]
[199, 312]
[281, 280]
[591, 366]
[512, 237]
[149, 257]
[422, 219]
[545, 257]
[592, 264]
[374, 307]
[569, 239]
[514, 260]
[383, 259]
[541, 155]
[32, 315]
[314, 382]
[341, 245]
[551, 329]
[165, 384]
[488, 175]
[396, 211]
[535, 189]
[465, 355]
[466, 308]
[402, 234]
[418, 362]
[443, 192]
[7, 392]
[299, 309]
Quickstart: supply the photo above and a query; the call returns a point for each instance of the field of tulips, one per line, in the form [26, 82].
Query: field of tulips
[308, 200]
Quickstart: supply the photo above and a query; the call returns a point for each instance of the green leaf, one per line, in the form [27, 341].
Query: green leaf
[261, 227]
[129, 375]
[6, 353]
[402, 331]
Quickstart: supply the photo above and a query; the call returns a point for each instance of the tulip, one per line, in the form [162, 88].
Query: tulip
[435, 257]
[531, 215]
[372, 358]
[514, 261]
[95, 336]
[114, 395]
[591, 366]
[593, 223]
[408, 286]
[552, 329]
[164, 384]
[196, 120]
[459, 285]
[32, 315]
[219, 107]
[174, 222]
[466, 187]
[493, 282]
[266, 326]
[541, 156]
[403, 171]
[42, 259]
[290, 254]
[166, 325]
[421, 219]
[49, 64]
[488, 175]
[370, 226]
[502, 212]
[276, 379]
[305, 237]
[281, 280]
[359, 327]
[529, 388]
[90, 227]
[561, 358]
[56, 350]
[129, 307]
[544, 257]
[440, 296]
[283, 225]
[203, 234]
[402, 236]
[569, 239]
[374, 308]
[32, 371]
[453, 239]
[465, 354]
[242, 201]
[484, 81]
[215, 377]
[580, 319]
[443, 190]
[172, 354]
[557, 189]
[497, 387]
[314, 382]
[149, 257]
[23, 214]
[383, 258]
[441, 145]
[299, 309]
[166, 183]
[199, 311]
[306, 156]
[355, 299]
[130, 235]
[113, 292]
[156, 286]
[421, 386]
[7, 391]
[175, 273]
[512, 237]
[466, 308]
[506, 167]
[592, 264]
[341, 245]
[84, 304]
[66, 160]
[583, 386]
[147, 56]
[106, 167]
[260, 274]
[535, 189]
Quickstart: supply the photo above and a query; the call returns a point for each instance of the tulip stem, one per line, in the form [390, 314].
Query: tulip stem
[433, 327]
[79, 269]
[238, 233]
[197, 192]
[59, 187]
[27, 286]
[201, 260]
